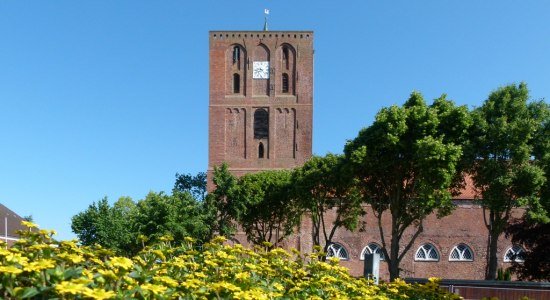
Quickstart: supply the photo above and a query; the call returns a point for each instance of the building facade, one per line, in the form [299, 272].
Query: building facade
[261, 100]
[10, 223]
[260, 118]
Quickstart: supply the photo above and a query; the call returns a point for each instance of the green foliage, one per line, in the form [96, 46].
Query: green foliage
[39, 267]
[406, 162]
[505, 170]
[177, 215]
[109, 226]
[196, 185]
[219, 209]
[126, 227]
[266, 210]
[504, 275]
[323, 185]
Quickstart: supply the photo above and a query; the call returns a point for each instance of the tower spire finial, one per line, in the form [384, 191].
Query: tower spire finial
[266, 13]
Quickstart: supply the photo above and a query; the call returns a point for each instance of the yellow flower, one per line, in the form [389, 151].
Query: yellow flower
[191, 284]
[156, 289]
[210, 263]
[67, 287]
[17, 258]
[166, 280]
[218, 240]
[277, 286]
[107, 273]
[98, 294]
[39, 265]
[221, 286]
[10, 270]
[29, 224]
[242, 276]
[159, 254]
[122, 262]
[74, 258]
[4, 252]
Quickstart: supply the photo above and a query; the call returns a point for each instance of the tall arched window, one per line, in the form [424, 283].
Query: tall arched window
[261, 150]
[236, 83]
[285, 83]
[261, 124]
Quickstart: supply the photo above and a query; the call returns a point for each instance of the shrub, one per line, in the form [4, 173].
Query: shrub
[39, 267]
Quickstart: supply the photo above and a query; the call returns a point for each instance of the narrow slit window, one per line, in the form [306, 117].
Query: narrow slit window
[261, 150]
[236, 55]
[236, 83]
[285, 83]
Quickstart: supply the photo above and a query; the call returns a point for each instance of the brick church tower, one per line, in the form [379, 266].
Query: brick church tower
[261, 100]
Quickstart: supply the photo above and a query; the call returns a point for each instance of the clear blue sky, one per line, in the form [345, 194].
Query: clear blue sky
[110, 98]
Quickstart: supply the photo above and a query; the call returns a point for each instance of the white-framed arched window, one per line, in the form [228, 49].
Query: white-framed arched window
[338, 251]
[427, 252]
[515, 253]
[370, 249]
[461, 252]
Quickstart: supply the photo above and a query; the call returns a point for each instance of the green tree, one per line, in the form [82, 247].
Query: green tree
[266, 210]
[196, 185]
[327, 194]
[218, 207]
[108, 226]
[503, 171]
[533, 229]
[178, 215]
[406, 162]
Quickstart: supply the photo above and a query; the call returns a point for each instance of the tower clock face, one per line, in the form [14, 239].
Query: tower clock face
[260, 70]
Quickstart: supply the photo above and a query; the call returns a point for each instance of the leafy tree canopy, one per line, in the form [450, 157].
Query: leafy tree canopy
[325, 190]
[504, 170]
[406, 162]
[266, 210]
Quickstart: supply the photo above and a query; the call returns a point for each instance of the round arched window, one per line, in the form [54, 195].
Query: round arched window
[427, 252]
[338, 251]
[372, 248]
[515, 253]
[461, 252]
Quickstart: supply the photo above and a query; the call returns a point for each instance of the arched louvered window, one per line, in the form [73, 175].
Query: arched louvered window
[515, 253]
[461, 252]
[236, 83]
[285, 83]
[338, 251]
[285, 57]
[426, 252]
[261, 150]
[261, 124]
[236, 54]
[370, 249]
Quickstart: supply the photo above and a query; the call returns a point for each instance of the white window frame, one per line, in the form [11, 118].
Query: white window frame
[372, 248]
[461, 250]
[514, 250]
[335, 250]
[426, 250]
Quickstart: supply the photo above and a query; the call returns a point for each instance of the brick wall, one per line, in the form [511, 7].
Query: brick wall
[231, 114]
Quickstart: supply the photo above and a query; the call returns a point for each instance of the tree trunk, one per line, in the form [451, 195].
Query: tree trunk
[492, 262]
[394, 261]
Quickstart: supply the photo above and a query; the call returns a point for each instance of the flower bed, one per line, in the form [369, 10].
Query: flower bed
[39, 267]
